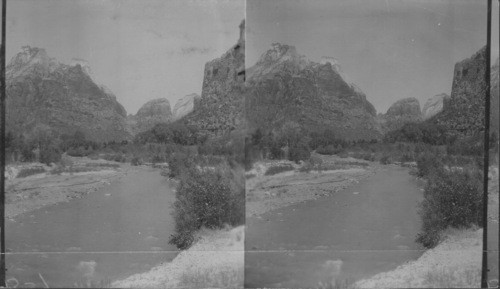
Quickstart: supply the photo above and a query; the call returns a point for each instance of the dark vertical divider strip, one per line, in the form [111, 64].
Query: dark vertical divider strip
[2, 152]
[484, 269]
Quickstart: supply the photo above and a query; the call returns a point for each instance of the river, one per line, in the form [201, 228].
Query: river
[109, 234]
[353, 234]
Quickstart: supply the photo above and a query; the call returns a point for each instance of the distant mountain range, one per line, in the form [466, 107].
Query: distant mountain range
[282, 86]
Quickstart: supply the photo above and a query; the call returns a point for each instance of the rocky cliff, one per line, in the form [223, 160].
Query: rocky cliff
[220, 108]
[464, 113]
[151, 113]
[285, 86]
[403, 111]
[41, 90]
[434, 105]
[185, 105]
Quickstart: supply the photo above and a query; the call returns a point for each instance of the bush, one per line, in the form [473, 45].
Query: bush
[30, 171]
[326, 150]
[136, 161]
[78, 152]
[299, 153]
[177, 163]
[385, 160]
[428, 162]
[209, 198]
[451, 199]
[278, 169]
[50, 155]
[343, 154]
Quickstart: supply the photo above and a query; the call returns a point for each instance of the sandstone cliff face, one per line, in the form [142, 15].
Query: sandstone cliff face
[151, 113]
[464, 113]
[185, 105]
[220, 108]
[285, 86]
[434, 105]
[406, 110]
[41, 90]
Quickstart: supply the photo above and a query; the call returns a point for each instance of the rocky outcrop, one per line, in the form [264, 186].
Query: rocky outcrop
[434, 105]
[464, 113]
[285, 86]
[406, 110]
[151, 113]
[185, 105]
[64, 97]
[220, 108]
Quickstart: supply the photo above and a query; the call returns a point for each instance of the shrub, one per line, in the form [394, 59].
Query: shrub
[78, 152]
[177, 163]
[30, 171]
[451, 199]
[136, 161]
[385, 160]
[299, 153]
[428, 162]
[406, 157]
[326, 150]
[278, 169]
[207, 198]
[50, 155]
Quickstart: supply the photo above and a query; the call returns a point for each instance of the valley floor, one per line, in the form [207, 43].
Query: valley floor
[24, 195]
[266, 193]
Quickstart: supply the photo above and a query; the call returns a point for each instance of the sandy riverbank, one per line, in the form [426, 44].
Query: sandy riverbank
[266, 193]
[454, 263]
[215, 261]
[24, 195]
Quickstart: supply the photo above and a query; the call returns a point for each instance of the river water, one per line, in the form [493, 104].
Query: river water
[117, 231]
[356, 233]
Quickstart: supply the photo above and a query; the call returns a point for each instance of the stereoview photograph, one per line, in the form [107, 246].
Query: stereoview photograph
[366, 121]
[250, 144]
[124, 161]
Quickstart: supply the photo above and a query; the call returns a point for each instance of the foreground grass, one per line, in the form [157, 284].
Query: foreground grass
[211, 277]
[454, 263]
[215, 261]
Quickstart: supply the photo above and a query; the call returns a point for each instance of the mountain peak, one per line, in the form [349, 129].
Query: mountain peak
[28, 55]
[279, 52]
[27, 59]
[84, 64]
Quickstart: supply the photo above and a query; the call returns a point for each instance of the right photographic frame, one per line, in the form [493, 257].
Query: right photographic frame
[372, 145]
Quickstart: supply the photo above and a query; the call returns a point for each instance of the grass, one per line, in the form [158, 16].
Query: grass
[337, 284]
[30, 171]
[279, 169]
[225, 277]
[84, 283]
[468, 278]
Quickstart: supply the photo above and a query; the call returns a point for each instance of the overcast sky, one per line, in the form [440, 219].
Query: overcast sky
[390, 49]
[148, 49]
[141, 50]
